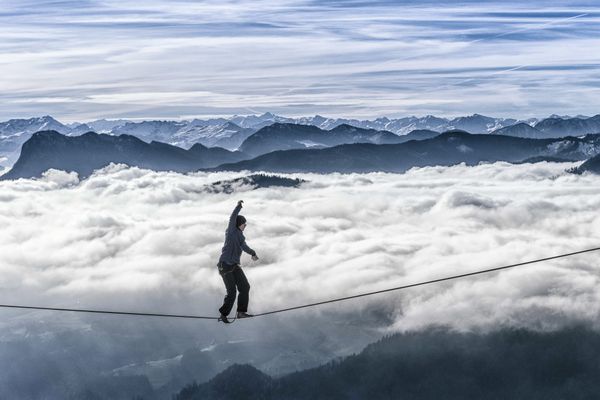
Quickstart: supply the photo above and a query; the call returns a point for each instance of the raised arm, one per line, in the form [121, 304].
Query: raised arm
[234, 215]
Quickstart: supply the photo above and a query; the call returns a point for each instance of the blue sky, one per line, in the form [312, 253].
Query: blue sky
[83, 60]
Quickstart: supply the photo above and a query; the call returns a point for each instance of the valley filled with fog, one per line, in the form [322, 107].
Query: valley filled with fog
[137, 240]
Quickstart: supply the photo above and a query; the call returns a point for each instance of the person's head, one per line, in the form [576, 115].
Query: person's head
[241, 222]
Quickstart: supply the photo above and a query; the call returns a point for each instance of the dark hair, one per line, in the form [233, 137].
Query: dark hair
[240, 220]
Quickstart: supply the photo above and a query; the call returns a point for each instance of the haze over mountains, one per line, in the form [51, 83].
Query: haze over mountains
[435, 364]
[229, 133]
[88, 152]
[449, 148]
[286, 136]
[259, 135]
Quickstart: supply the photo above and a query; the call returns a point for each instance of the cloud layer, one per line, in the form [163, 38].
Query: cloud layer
[139, 240]
[80, 60]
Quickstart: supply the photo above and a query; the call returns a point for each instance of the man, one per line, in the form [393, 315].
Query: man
[229, 266]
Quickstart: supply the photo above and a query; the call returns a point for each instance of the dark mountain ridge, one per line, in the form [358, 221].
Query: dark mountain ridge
[478, 123]
[90, 151]
[254, 181]
[557, 127]
[431, 365]
[287, 136]
[225, 133]
[592, 165]
[523, 130]
[449, 148]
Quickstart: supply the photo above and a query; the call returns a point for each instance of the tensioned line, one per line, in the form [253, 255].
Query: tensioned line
[81, 310]
[448, 278]
[485, 271]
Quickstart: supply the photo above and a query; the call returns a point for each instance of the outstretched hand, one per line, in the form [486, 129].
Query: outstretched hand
[240, 203]
[254, 258]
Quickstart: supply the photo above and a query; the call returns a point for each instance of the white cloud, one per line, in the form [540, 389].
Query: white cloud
[135, 239]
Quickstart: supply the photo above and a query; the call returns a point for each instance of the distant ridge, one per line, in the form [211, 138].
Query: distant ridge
[230, 133]
[83, 154]
[286, 136]
[592, 165]
[521, 130]
[449, 148]
[433, 364]
[556, 126]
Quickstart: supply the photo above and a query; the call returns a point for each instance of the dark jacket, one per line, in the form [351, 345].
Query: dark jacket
[235, 241]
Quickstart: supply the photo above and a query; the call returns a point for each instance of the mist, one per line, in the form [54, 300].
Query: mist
[136, 240]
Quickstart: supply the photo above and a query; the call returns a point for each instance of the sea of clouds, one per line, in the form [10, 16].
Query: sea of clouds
[138, 240]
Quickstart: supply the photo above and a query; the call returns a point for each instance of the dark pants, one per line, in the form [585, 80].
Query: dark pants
[233, 276]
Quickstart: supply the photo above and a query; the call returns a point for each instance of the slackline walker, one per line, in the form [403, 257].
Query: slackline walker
[230, 268]
[423, 283]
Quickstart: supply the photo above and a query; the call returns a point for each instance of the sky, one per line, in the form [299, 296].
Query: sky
[86, 59]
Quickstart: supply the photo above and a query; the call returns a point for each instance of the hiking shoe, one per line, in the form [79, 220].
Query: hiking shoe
[223, 318]
[244, 315]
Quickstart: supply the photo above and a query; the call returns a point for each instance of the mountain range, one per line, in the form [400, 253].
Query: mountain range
[199, 129]
[475, 123]
[258, 135]
[15, 132]
[286, 136]
[591, 165]
[449, 148]
[90, 151]
[85, 153]
[230, 133]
